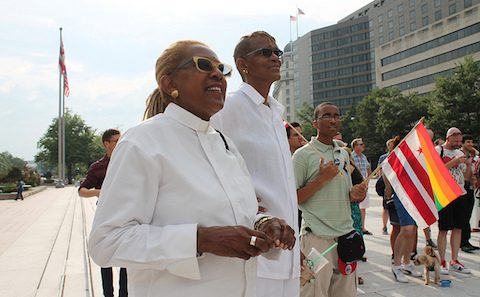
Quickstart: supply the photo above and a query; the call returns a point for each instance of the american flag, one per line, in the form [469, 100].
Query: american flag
[63, 69]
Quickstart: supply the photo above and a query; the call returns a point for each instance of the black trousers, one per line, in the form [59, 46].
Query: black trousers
[107, 282]
[467, 229]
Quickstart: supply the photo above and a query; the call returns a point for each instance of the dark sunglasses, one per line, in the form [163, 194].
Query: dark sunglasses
[266, 52]
[207, 66]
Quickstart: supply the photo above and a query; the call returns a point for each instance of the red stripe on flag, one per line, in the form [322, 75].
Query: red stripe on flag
[411, 190]
[419, 170]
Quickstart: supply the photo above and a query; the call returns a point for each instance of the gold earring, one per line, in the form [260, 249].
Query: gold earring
[174, 94]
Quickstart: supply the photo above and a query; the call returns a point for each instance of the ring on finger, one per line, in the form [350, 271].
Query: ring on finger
[253, 240]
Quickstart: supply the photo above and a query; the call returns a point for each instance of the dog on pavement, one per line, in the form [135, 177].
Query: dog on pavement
[431, 261]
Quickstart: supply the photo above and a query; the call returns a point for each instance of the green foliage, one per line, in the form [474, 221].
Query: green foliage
[7, 162]
[456, 100]
[8, 187]
[82, 146]
[305, 115]
[381, 115]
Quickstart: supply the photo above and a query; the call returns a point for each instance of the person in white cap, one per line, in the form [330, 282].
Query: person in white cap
[454, 216]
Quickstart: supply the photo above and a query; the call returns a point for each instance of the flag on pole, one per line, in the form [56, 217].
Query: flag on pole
[300, 12]
[419, 177]
[293, 18]
[63, 69]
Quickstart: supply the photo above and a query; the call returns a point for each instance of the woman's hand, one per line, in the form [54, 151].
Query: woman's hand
[232, 241]
[282, 234]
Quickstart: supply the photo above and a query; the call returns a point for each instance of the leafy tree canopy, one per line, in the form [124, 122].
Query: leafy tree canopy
[456, 100]
[82, 146]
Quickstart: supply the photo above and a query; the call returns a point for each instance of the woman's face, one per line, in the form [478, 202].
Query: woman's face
[201, 93]
[260, 67]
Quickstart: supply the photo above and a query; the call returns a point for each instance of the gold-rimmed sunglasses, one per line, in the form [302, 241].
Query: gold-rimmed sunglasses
[206, 65]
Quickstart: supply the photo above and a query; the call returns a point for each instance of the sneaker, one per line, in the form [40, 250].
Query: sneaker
[413, 256]
[459, 267]
[398, 274]
[466, 249]
[472, 246]
[385, 231]
[444, 268]
[431, 243]
[366, 232]
[411, 270]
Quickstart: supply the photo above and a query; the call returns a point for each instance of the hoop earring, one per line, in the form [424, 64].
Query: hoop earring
[174, 94]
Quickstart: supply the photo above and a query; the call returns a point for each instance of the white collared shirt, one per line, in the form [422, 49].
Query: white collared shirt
[166, 176]
[259, 134]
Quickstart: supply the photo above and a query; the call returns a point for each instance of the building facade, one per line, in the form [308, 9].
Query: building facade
[387, 43]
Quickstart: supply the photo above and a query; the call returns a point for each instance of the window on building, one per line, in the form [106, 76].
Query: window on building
[401, 19]
[287, 91]
[413, 26]
[381, 40]
[287, 83]
[438, 15]
[401, 31]
[425, 21]
[286, 64]
[437, 3]
[412, 3]
[288, 99]
[390, 36]
[400, 8]
[287, 74]
[380, 29]
[390, 13]
[390, 25]
[380, 18]
[467, 3]
[452, 9]
[424, 8]
[412, 14]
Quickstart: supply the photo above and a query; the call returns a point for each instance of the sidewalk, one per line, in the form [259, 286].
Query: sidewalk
[43, 252]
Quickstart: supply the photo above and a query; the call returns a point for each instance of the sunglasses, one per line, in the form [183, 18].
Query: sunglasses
[207, 66]
[266, 52]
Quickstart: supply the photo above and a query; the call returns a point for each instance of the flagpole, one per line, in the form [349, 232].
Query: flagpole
[63, 135]
[60, 166]
[290, 29]
[296, 21]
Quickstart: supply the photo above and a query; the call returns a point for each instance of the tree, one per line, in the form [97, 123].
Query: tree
[383, 114]
[8, 162]
[82, 146]
[305, 115]
[456, 100]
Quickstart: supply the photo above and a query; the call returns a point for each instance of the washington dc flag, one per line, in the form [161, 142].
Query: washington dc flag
[419, 177]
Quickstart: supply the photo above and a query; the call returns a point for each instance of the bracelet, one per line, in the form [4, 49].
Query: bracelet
[261, 221]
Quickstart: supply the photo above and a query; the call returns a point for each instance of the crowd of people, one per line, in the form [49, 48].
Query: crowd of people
[216, 195]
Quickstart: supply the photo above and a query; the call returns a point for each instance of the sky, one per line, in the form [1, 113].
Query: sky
[111, 47]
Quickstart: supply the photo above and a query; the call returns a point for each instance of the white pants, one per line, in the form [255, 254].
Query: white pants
[278, 287]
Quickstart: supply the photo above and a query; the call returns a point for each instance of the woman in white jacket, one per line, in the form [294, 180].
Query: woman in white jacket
[177, 207]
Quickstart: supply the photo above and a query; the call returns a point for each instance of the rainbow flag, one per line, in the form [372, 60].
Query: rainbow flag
[419, 177]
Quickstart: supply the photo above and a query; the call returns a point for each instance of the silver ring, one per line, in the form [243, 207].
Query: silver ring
[253, 240]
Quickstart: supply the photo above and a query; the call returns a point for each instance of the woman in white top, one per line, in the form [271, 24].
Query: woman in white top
[177, 207]
[253, 120]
